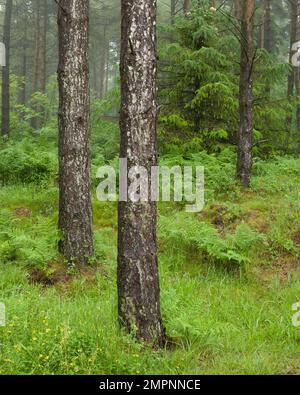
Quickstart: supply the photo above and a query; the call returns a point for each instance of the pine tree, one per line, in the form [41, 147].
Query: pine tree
[245, 136]
[292, 77]
[6, 70]
[75, 208]
[138, 279]
[186, 6]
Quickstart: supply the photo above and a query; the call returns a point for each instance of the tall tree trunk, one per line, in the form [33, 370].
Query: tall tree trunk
[297, 88]
[22, 96]
[294, 9]
[268, 27]
[266, 34]
[138, 279]
[173, 11]
[44, 47]
[6, 70]
[245, 136]
[75, 207]
[107, 64]
[186, 6]
[37, 37]
[265, 28]
[39, 84]
[102, 64]
[237, 9]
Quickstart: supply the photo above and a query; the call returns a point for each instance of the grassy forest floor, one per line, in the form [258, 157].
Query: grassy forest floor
[229, 278]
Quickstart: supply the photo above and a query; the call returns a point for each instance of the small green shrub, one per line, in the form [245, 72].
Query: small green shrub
[26, 163]
[26, 244]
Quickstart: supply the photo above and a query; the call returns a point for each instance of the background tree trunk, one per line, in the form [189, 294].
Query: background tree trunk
[266, 34]
[37, 45]
[173, 11]
[6, 70]
[237, 9]
[75, 207]
[39, 84]
[22, 97]
[138, 279]
[107, 68]
[293, 39]
[186, 6]
[245, 136]
[102, 76]
[294, 9]
[43, 64]
[267, 26]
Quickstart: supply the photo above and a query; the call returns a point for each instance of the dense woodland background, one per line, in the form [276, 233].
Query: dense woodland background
[229, 100]
[199, 71]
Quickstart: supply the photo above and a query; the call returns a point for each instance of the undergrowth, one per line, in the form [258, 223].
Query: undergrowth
[229, 277]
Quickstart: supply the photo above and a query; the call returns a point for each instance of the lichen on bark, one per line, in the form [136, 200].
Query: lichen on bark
[138, 279]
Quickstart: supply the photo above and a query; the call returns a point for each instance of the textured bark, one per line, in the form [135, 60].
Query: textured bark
[297, 87]
[245, 136]
[37, 46]
[293, 39]
[102, 76]
[107, 64]
[75, 208]
[266, 34]
[294, 9]
[265, 29]
[173, 11]
[138, 279]
[39, 84]
[237, 9]
[43, 64]
[6, 70]
[186, 6]
[22, 97]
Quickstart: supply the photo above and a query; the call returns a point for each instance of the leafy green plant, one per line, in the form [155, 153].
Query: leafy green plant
[25, 162]
[202, 236]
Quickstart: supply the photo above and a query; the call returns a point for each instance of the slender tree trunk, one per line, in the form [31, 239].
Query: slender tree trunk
[186, 6]
[237, 9]
[22, 97]
[40, 72]
[268, 27]
[107, 64]
[262, 30]
[173, 11]
[138, 279]
[266, 34]
[44, 47]
[297, 88]
[6, 70]
[75, 207]
[294, 9]
[37, 45]
[102, 64]
[245, 137]
[265, 27]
